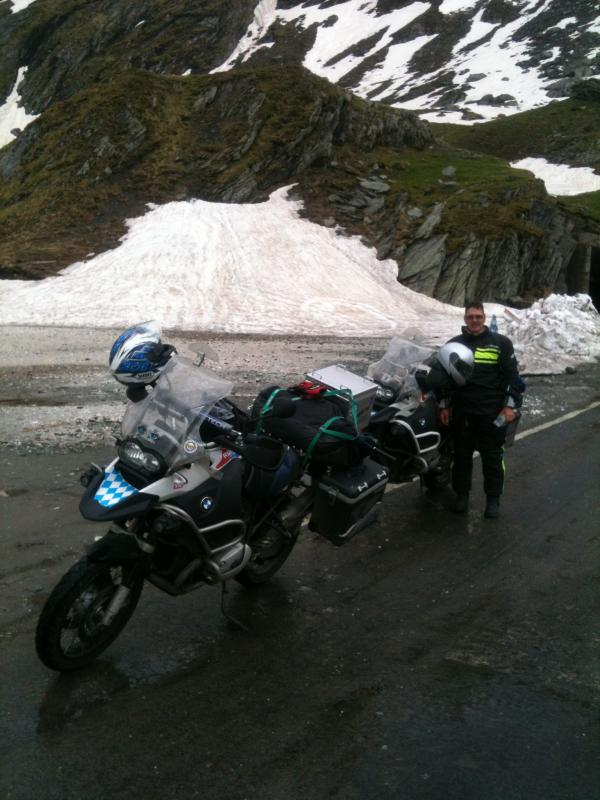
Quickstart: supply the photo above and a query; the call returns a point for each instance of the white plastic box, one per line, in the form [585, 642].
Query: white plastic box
[363, 390]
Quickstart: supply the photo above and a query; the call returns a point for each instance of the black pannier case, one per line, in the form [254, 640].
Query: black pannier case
[345, 500]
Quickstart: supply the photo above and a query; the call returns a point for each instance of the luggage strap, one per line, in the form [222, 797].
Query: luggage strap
[350, 437]
[267, 407]
[345, 393]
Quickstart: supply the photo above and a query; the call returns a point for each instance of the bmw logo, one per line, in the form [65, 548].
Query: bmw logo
[206, 503]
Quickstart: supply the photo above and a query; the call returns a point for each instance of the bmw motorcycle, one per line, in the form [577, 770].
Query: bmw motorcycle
[189, 499]
[195, 496]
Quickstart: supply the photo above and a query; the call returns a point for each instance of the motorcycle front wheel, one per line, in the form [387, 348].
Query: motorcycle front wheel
[70, 632]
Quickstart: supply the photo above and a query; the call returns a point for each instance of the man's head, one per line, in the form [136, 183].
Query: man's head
[474, 317]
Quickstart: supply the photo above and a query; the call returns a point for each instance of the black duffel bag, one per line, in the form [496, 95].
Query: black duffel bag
[319, 427]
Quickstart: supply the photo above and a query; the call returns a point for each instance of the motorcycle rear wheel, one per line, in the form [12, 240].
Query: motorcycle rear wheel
[269, 558]
[69, 632]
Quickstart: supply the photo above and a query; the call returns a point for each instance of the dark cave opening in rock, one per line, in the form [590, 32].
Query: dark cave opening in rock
[594, 290]
[583, 272]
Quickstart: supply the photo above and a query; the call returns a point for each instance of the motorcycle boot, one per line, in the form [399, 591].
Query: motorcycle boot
[461, 504]
[492, 507]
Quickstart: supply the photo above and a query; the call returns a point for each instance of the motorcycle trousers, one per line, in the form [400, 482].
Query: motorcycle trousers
[472, 432]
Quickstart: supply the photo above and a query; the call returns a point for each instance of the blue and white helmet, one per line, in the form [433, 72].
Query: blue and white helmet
[138, 355]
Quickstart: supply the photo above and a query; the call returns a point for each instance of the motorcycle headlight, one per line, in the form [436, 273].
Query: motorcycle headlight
[131, 453]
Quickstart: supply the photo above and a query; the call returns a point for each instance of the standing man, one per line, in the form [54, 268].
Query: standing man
[492, 389]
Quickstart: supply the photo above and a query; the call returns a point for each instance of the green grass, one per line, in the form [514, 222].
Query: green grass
[563, 132]
[484, 196]
[588, 205]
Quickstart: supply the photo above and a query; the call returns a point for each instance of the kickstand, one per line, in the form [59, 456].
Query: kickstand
[421, 484]
[235, 623]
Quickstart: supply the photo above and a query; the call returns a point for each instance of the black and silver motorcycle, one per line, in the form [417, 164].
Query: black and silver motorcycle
[400, 401]
[195, 497]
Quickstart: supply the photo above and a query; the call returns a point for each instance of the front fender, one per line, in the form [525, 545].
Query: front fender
[115, 548]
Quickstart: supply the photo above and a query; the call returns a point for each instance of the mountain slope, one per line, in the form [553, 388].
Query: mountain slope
[454, 59]
[74, 174]
[123, 123]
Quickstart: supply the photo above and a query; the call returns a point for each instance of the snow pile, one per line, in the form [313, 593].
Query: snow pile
[260, 268]
[12, 113]
[560, 179]
[223, 267]
[556, 332]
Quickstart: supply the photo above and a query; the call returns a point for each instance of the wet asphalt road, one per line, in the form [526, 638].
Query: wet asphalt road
[434, 656]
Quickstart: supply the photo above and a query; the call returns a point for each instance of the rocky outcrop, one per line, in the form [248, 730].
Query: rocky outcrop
[511, 269]
[518, 245]
[68, 46]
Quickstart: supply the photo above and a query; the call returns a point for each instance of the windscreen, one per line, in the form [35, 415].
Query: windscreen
[399, 362]
[168, 419]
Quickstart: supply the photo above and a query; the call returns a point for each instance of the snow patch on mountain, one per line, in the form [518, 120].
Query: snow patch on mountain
[12, 114]
[264, 16]
[491, 69]
[561, 179]
[19, 5]
[452, 6]
[496, 68]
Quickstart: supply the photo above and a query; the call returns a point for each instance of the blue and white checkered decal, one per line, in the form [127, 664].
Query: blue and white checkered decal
[113, 489]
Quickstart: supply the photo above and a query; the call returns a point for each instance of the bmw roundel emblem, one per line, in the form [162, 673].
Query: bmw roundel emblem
[206, 503]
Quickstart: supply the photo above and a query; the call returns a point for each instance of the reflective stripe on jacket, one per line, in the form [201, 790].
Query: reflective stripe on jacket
[495, 375]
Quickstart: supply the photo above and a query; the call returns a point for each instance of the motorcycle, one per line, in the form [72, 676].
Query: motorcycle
[196, 496]
[400, 411]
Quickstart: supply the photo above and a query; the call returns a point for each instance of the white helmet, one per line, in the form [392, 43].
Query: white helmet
[457, 360]
[138, 355]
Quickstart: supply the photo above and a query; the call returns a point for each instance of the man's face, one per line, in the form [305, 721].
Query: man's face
[474, 320]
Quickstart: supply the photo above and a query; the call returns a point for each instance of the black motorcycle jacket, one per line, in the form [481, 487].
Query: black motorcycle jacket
[495, 376]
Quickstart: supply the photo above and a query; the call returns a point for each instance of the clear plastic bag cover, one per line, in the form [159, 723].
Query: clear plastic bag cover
[399, 360]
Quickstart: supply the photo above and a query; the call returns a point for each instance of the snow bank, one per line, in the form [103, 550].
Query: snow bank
[560, 179]
[224, 267]
[556, 332]
[260, 268]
